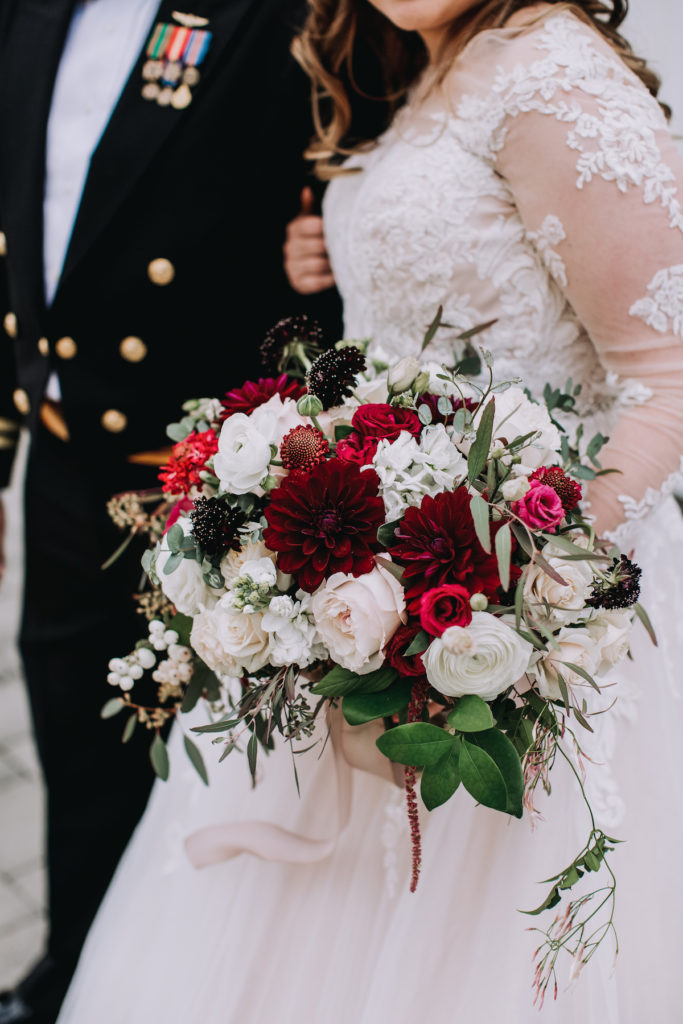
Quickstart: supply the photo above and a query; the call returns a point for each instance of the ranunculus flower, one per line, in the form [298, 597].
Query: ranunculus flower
[185, 586]
[395, 649]
[371, 424]
[445, 606]
[244, 444]
[567, 603]
[230, 642]
[574, 645]
[540, 508]
[484, 658]
[356, 617]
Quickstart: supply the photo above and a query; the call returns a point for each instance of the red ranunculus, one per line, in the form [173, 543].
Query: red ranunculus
[437, 544]
[395, 649]
[445, 606]
[371, 424]
[541, 507]
[181, 472]
[255, 393]
[325, 522]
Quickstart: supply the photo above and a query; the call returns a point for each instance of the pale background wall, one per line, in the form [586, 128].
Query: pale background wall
[655, 29]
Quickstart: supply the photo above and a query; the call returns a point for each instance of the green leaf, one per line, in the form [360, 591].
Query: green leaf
[174, 538]
[504, 554]
[471, 714]
[417, 744]
[158, 755]
[341, 681]
[502, 756]
[432, 329]
[202, 679]
[341, 431]
[645, 619]
[424, 413]
[359, 708]
[172, 563]
[420, 643]
[129, 728]
[476, 330]
[551, 900]
[440, 781]
[519, 601]
[177, 432]
[481, 777]
[195, 755]
[112, 707]
[480, 516]
[385, 534]
[182, 624]
[252, 753]
[479, 452]
[582, 672]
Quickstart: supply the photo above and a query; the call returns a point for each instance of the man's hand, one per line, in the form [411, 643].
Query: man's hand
[306, 264]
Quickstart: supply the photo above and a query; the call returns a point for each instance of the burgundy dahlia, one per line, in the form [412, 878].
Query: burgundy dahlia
[255, 393]
[437, 544]
[325, 522]
[371, 424]
[568, 491]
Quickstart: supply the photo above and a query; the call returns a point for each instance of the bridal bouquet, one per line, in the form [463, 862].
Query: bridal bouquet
[406, 544]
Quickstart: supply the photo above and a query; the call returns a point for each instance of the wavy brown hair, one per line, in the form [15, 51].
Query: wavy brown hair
[361, 65]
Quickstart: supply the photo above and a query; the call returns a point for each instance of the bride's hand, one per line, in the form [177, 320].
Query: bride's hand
[305, 254]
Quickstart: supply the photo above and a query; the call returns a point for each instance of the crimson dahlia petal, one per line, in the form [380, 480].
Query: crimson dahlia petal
[255, 393]
[325, 522]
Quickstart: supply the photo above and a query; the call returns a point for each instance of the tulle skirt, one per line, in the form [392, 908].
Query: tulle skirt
[343, 941]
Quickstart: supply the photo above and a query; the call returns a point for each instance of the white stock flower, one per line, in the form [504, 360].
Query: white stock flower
[230, 642]
[574, 645]
[185, 585]
[357, 616]
[244, 444]
[611, 631]
[483, 658]
[409, 468]
[293, 637]
[569, 600]
[515, 416]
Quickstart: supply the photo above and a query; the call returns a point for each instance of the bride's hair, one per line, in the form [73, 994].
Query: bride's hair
[342, 37]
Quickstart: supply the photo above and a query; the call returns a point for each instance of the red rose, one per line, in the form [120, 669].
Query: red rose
[371, 424]
[445, 606]
[394, 652]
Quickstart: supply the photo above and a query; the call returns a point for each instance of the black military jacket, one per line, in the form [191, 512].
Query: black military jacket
[174, 269]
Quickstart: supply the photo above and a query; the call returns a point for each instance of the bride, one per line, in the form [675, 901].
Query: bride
[528, 177]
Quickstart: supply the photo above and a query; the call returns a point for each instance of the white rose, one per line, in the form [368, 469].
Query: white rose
[515, 416]
[569, 601]
[185, 586]
[230, 642]
[574, 645]
[611, 631]
[357, 616]
[483, 658]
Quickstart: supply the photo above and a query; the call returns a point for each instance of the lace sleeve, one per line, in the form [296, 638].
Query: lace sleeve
[596, 178]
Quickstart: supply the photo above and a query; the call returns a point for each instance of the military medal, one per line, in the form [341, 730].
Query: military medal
[174, 54]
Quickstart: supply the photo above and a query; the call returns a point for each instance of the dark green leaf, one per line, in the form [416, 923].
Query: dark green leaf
[201, 680]
[112, 707]
[502, 753]
[479, 510]
[252, 753]
[471, 714]
[519, 601]
[551, 900]
[341, 431]
[503, 554]
[194, 754]
[645, 619]
[482, 777]
[476, 330]
[129, 728]
[385, 534]
[158, 755]
[182, 624]
[417, 744]
[365, 707]
[432, 329]
[440, 781]
[341, 681]
[479, 452]
[420, 643]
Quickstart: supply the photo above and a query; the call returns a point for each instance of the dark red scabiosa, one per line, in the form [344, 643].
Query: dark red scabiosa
[371, 424]
[303, 448]
[568, 490]
[215, 524]
[437, 543]
[333, 375]
[443, 607]
[619, 587]
[181, 472]
[325, 522]
[395, 651]
[286, 332]
[258, 392]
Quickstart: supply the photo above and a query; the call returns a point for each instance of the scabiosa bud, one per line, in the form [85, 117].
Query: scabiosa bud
[303, 448]
[215, 524]
[300, 328]
[334, 373]
[619, 587]
[567, 490]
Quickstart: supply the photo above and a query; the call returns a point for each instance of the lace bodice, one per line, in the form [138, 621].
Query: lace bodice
[538, 185]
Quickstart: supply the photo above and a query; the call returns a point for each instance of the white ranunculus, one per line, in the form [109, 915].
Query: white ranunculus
[515, 416]
[409, 468]
[356, 616]
[483, 658]
[611, 631]
[185, 586]
[230, 642]
[569, 600]
[244, 444]
[293, 637]
[574, 645]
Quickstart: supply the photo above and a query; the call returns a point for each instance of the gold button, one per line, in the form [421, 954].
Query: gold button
[66, 348]
[161, 271]
[21, 401]
[44, 346]
[3, 243]
[114, 421]
[11, 324]
[133, 349]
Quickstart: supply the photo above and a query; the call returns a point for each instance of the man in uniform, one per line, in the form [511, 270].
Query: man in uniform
[150, 157]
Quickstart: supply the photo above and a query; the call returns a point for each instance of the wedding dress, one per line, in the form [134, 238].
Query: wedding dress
[535, 185]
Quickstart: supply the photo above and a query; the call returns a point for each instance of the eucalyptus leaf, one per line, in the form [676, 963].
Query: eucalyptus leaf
[112, 707]
[174, 538]
[479, 452]
[479, 510]
[425, 414]
[432, 329]
[417, 744]
[252, 753]
[195, 756]
[172, 563]
[158, 755]
[129, 728]
[177, 432]
[645, 619]
[504, 554]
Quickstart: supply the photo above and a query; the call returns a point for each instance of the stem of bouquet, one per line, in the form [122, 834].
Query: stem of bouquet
[418, 700]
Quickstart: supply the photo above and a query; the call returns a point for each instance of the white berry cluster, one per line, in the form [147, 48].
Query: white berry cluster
[123, 672]
[177, 668]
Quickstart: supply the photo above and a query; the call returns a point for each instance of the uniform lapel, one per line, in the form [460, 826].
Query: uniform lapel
[30, 58]
[138, 128]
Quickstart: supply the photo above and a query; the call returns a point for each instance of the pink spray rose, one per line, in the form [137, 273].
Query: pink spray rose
[541, 507]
